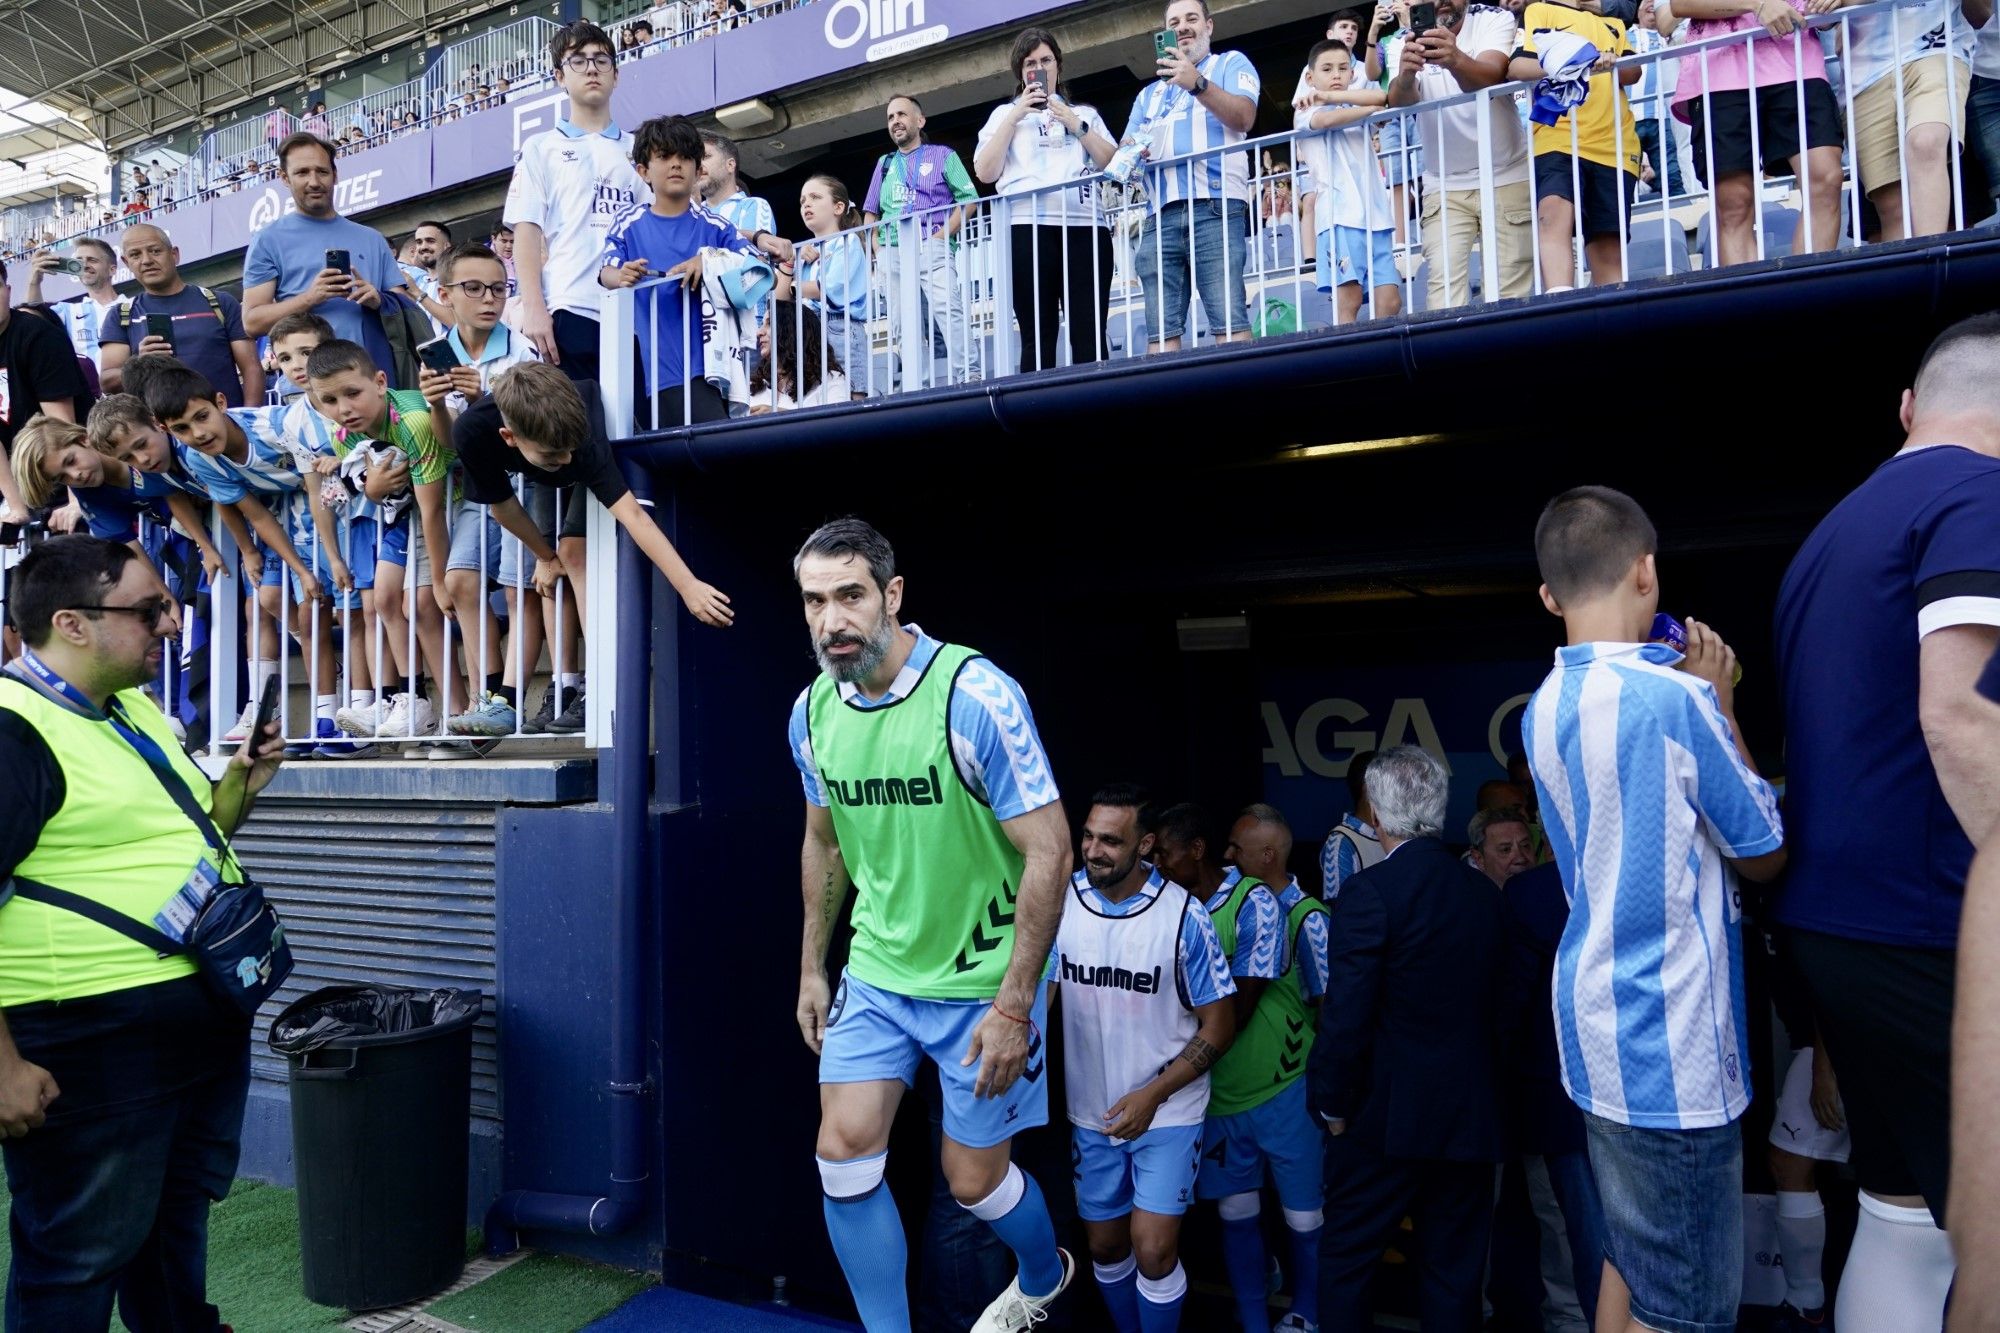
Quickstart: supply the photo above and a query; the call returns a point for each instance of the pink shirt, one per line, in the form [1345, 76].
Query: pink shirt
[1729, 65]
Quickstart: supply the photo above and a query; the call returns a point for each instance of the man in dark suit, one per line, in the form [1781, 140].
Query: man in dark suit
[1402, 1072]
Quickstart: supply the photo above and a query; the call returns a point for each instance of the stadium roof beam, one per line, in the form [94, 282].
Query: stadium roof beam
[140, 69]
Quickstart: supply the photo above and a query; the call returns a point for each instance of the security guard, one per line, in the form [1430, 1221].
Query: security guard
[122, 1075]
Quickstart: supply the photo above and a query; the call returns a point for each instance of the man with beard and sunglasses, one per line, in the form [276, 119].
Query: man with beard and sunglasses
[928, 789]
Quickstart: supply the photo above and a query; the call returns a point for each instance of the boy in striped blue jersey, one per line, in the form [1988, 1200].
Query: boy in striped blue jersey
[1654, 809]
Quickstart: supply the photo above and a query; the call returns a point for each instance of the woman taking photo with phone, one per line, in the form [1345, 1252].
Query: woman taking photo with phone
[1061, 245]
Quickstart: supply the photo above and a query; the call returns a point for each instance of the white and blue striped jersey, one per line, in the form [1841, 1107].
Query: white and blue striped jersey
[1260, 929]
[994, 744]
[1308, 947]
[269, 471]
[1352, 847]
[1644, 797]
[1180, 125]
[745, 212]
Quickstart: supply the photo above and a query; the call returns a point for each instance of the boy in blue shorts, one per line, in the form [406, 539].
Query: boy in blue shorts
[240, 457]
[474, 284]
[667, 237]
[343, 521]
[1146, 1012]
[1357, 234]
[353, 393]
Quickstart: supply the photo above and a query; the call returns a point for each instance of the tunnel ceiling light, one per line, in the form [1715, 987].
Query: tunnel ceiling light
[1300, 453]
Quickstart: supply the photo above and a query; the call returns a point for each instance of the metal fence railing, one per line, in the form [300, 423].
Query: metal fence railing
[1240, 242]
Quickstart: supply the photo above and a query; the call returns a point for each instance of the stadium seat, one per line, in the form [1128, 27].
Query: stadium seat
[1658, 246]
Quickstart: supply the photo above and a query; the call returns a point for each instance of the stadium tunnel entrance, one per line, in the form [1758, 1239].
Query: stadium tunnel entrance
[1223, 616]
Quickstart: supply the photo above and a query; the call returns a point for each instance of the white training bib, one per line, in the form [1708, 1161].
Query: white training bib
[1124, 1017]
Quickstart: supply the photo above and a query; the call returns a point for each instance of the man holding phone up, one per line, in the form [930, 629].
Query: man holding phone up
[316, 260]
[202, 328]
[1465, 48]
[1203, 99]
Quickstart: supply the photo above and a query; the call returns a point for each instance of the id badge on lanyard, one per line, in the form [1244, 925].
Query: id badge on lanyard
[183, 909]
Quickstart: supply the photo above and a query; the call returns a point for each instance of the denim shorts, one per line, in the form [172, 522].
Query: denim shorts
[1401, 147]
[1673, 1220]
[1217, 255]
[475, 541]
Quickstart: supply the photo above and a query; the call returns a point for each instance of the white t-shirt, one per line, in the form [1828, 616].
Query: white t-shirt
[83, 317]
[1451, 136]
[1875, 40]
[1043, 153]
[832, 389]
[1986, 50]
[1352, 190]
[571, 183]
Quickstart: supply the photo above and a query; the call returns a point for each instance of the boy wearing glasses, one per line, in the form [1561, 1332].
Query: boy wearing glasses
[565, 190]
[473, 282]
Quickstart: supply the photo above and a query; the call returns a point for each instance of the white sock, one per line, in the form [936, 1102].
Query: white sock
[360, 698]
[569, 680]
[1802, 1240]
[323, 705]
[260, 671]
[1898, 1272]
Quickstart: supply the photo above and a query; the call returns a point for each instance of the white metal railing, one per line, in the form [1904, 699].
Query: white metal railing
[982, 303]
[515, 52]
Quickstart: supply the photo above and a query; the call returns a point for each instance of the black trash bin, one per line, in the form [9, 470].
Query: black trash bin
[381, 1084]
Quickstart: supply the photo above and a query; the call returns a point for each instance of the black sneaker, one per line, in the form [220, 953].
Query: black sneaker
[538, 725]
[571, 719]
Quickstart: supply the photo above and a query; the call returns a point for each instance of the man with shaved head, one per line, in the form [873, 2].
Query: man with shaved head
[1885, 620]
[201, 328]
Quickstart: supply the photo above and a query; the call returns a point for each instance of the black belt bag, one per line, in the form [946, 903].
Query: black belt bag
[237, 943]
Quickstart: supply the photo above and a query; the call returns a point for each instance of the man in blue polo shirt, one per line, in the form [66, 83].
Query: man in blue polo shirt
[1884, 621]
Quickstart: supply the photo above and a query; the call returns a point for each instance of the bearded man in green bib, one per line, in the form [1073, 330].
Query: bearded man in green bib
[927, 789]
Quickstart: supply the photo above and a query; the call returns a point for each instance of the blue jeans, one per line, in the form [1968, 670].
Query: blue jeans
[1214, 247]
[1982, 111]
[1673, 1220]
[1575, 1185]
[1666, 160]
[111, 1196]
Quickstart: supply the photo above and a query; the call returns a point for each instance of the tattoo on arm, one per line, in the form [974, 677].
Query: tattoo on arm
[1199, 1054]
[829, 896]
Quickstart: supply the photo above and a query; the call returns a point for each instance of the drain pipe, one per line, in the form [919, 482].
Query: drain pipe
[624, 1203]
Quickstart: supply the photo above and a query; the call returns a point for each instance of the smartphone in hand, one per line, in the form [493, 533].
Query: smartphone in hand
[437, 355]
[1165, 43]
[1038, 78]
[267, 712]
[338, 259]
[1423, 17]
[161, 326]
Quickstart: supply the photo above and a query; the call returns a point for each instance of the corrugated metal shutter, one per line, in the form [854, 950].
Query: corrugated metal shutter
[396, 892]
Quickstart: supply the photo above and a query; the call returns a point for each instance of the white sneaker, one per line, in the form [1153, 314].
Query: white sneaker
[395, 722]
[423, 718]
[1013, 1312]
[1295, 1323]
[237, 734]
[363, 720]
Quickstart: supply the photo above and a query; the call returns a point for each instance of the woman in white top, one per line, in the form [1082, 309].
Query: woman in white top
[1049, 151]
[797, 368]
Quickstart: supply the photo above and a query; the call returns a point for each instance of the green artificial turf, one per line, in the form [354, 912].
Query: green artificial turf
[539, 1294]
[254, 1278]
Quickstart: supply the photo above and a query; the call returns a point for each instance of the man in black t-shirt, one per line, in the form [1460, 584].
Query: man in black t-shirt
[38, 373]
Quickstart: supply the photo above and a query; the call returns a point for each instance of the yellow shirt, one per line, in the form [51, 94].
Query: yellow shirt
[1605, 114]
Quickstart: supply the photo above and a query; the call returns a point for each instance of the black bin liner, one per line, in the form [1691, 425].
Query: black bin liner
[381, 1085]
